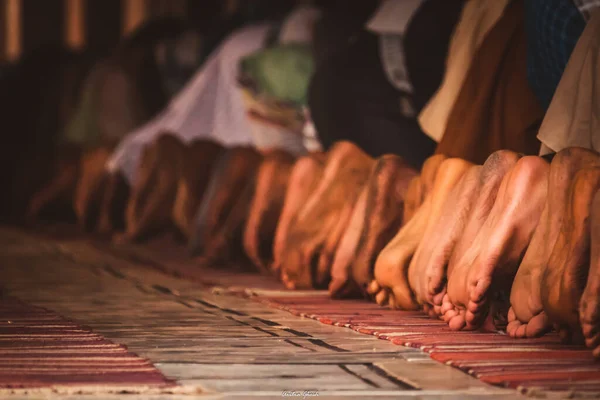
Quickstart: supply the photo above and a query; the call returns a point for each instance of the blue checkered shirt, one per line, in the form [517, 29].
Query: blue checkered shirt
[553, 28]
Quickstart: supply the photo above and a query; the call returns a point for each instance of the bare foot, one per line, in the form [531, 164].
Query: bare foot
[266, 206]
[490, 264]
[413, 199]
[392, 265]
[589, 312]
[526, 317]
[322, 275]
[61, 188]
[229, 177]
[199, 158]
[428, 267]
[90, 186]
[342, 284]
[226, 248]
[314, 230]
[388, 187]
[564, 279]
[492, 172]
[304, 179]
[380, 229]
[115, 196]
[150, 205]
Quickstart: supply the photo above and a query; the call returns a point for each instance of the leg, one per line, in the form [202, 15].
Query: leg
[392, 266]
[387, 189]
[432, 256]
[492, 173]
[266, 206]
[341, 283]
[115, 196]
[589, 314]
[89, 190]
[346, 171]
[526, 316]
[385, 217]
[305, 176]
[199, 158]
[563, 281]
[229, 177]
[500, 245]
[225, 248]
[151, 203]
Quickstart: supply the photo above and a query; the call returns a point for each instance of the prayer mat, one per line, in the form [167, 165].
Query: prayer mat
[526, 364]
[40, 349]
[529, 365]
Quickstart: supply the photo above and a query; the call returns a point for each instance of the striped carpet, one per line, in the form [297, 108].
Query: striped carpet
[39, 348]
[494, 358]
[531, 365]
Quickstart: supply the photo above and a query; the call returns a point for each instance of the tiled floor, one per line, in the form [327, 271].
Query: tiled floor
[214, 345]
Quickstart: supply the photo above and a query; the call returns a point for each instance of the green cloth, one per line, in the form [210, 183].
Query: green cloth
[281, 72]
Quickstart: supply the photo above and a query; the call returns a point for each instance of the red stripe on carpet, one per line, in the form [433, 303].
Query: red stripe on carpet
[39, 348]
[536, 364]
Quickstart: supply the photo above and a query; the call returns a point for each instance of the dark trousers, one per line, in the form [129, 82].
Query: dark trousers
[350, 97]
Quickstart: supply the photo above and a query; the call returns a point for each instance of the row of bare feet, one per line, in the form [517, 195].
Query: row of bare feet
[513, 244]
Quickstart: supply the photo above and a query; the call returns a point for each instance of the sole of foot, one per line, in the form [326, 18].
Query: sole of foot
[589, 309]
[526, 317]
[388, 186]
[266, 206]
[150, 205]
[392, 265]
[342, 284]
[428, 268]
[492, 172]
[198, 161]
[375, 242]
[565, 277]
[316, 231]
[229, 176]
[304, 178]
[226, 247]
[489, 265]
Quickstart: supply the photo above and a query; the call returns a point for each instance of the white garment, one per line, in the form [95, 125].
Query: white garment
[478, 17]
[210, 106]
[390, 22]
[573, 118]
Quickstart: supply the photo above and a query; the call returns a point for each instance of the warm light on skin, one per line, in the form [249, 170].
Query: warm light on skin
[13, 29]
[74, 28]
[135, 13]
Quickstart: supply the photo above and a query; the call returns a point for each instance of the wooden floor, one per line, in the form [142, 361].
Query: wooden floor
[213, 344]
